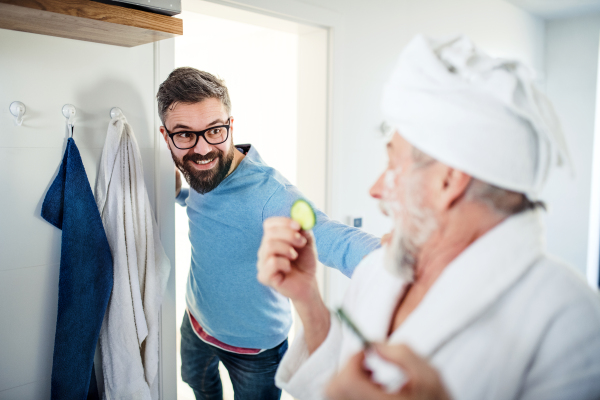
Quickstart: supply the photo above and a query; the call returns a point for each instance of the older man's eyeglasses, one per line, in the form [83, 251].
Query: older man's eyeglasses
[187, 139]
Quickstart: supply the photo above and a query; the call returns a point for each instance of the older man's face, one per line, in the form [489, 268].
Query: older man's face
[390, 188]
[404, 196]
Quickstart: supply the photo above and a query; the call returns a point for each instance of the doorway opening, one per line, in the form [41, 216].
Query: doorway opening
[276, 72]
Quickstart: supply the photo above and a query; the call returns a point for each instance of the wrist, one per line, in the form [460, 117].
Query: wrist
[315, 318]
[309, 295]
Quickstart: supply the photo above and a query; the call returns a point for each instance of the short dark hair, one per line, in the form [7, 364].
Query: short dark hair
[189, 85]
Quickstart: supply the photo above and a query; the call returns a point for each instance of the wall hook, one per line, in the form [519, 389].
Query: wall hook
[69, 112]
[115, 112]
[17, 109]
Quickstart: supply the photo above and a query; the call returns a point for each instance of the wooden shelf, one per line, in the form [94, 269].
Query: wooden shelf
[88, 20]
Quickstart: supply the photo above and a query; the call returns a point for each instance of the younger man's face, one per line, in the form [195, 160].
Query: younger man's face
[205, 165]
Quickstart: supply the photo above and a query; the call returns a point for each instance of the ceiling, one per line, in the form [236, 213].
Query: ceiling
[551, 9]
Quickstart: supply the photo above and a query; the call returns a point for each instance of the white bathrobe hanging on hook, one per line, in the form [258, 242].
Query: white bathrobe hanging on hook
[129, 338]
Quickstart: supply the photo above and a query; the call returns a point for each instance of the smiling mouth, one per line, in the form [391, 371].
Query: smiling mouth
[204, 162]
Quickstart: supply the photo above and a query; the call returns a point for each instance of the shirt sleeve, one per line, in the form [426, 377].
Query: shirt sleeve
[338, 245]
[305, 376]
[182, 197]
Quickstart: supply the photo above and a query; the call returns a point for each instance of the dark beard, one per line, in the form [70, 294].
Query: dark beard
[205, 181]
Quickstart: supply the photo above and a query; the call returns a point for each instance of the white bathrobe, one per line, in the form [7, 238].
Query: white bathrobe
[503, 321]
[129, 340]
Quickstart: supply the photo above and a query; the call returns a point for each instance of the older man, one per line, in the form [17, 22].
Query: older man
[464, 297]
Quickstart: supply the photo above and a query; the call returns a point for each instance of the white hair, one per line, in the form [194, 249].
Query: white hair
[501, 201]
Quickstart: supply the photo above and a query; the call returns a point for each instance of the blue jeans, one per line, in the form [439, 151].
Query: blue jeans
[252, 376]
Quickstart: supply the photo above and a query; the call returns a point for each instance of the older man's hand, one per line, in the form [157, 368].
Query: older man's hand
[386, 239]
[287, 259]
[354, 382]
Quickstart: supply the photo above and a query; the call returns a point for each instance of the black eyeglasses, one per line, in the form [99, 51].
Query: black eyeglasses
[187, 139]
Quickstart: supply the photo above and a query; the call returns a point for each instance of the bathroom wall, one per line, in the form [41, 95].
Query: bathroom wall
[45, 73]
[571, 81]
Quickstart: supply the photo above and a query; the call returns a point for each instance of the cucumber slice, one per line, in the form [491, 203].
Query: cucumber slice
[304, 214]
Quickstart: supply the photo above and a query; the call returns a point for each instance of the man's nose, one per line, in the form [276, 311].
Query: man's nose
[376, 189]
[202, 147]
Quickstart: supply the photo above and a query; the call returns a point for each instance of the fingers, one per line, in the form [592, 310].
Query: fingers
[424, 381]
[284, 253]
[349, 383]
[282, 222]
[400, 354]
[387, 238]
[354, 383]
[287, 235]
[277, 248]
[272, 271]
[355, 363]
[280, 232]
[284, 229]
[309, 236]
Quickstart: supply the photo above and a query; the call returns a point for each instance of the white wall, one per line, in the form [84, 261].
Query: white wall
[367, 37]
[259, 66]
[571, 79]
[45, 73]
[375, 33]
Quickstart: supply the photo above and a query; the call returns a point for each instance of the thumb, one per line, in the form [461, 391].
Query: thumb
[310, 237]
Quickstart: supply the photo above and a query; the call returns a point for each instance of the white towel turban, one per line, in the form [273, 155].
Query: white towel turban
[479, 114]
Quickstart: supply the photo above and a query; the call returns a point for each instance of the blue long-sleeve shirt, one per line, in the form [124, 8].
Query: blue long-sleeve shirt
[226, 228]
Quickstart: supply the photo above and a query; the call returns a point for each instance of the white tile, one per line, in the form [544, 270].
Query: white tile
[29, 298]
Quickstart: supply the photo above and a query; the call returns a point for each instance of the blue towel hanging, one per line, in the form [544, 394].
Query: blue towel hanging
[85, 280]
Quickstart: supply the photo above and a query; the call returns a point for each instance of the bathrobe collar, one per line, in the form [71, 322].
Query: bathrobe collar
[473, 282]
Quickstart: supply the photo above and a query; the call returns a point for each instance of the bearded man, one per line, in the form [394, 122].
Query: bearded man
[230, 316]
[464, 299]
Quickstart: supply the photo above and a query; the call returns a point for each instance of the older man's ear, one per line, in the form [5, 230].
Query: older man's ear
[451, 186]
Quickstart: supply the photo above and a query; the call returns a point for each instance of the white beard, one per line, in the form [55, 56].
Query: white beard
[413, 226]
[399, 260]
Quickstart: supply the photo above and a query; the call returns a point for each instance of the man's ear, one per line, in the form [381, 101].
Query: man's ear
[455, 184]
[163, 131]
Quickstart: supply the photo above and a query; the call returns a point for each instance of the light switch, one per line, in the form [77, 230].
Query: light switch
[355, 221]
